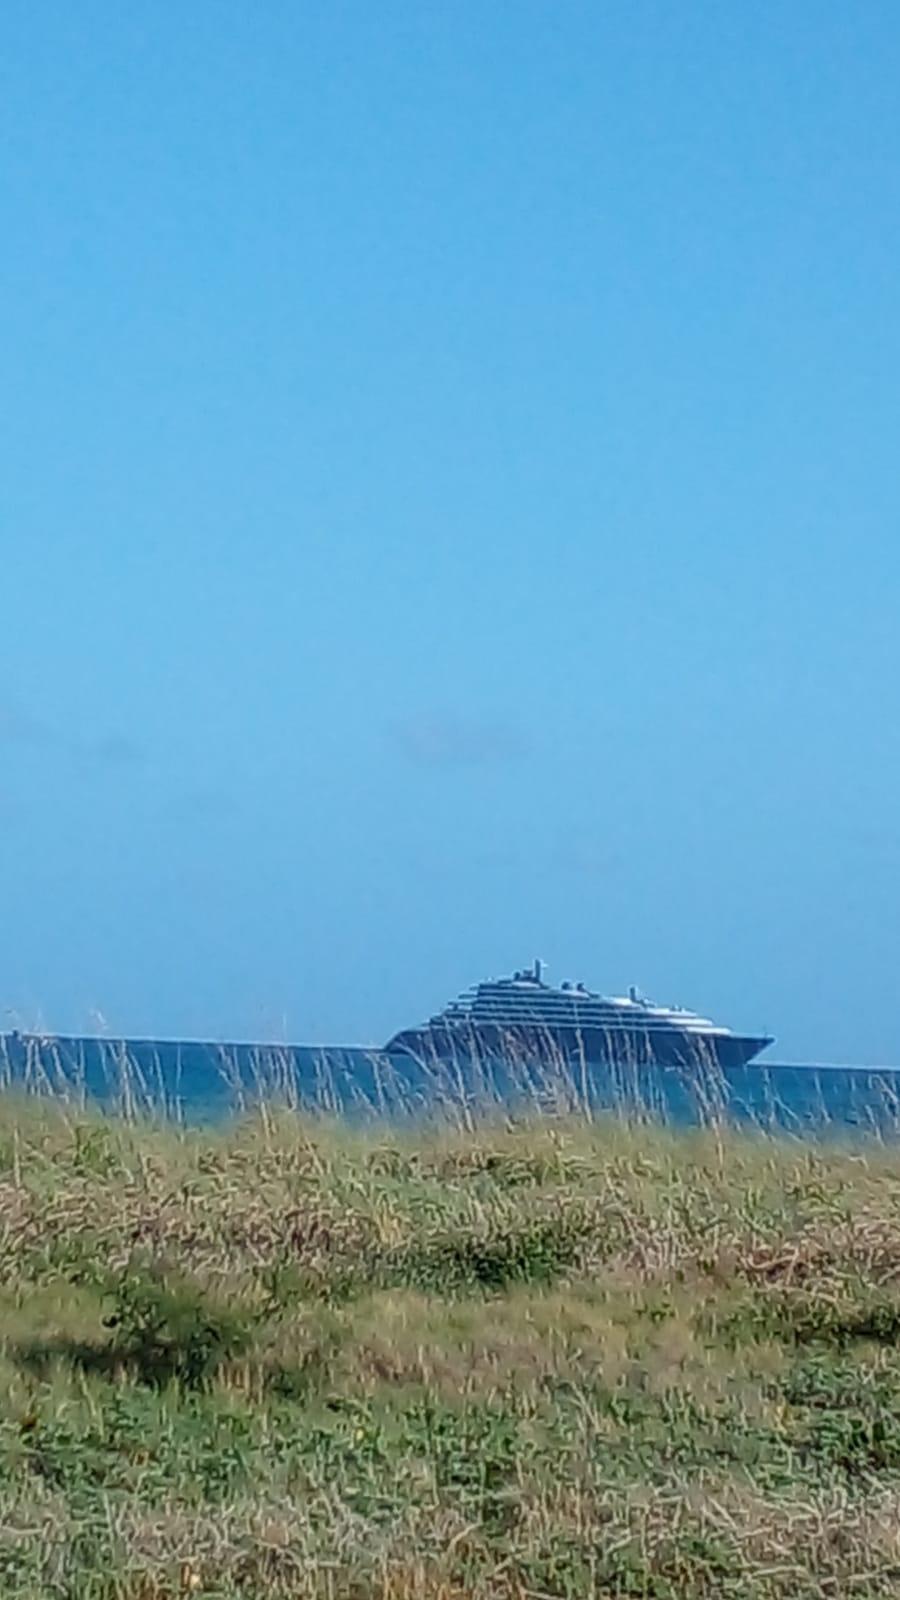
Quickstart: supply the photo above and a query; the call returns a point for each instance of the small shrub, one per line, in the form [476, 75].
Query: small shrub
[165, 1329]
[537, 1252]
[812, 1319]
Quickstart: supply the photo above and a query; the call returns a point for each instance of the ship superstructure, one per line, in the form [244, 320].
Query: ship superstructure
[527, 1016]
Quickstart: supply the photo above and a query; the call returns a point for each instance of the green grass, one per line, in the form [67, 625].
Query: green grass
[554, 1359]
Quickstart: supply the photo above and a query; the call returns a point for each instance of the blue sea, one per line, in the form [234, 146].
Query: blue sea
[198, 1082]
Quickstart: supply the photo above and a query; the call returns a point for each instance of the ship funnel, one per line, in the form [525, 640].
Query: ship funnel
[538, 971]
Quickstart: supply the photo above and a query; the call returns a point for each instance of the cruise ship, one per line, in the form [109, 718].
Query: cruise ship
[525, 1017]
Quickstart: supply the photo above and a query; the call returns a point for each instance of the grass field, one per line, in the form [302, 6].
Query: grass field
[553, 1359]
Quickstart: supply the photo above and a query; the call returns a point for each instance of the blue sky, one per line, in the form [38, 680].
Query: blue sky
[449, 511]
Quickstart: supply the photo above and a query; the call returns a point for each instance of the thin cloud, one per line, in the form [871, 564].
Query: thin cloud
[587, 857]
[112, 750]
[202, 805]
[445, 739]
[20, 729]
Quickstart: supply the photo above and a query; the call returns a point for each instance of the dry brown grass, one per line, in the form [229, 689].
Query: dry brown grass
[286, 1359]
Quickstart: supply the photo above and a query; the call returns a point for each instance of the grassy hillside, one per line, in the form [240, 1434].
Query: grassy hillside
[546, 1360]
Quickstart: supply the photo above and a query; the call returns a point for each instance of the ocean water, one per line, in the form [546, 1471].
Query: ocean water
[200, 1082]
